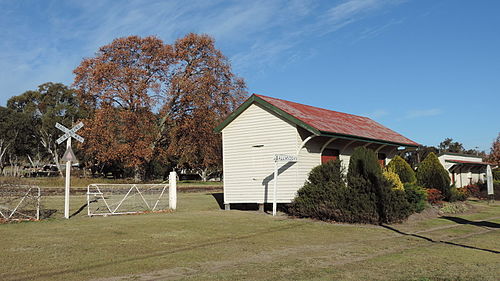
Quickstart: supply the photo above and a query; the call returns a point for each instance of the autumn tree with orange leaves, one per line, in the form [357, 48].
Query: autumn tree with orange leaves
[121, 87]
[153, 100]
[202, 93]
[494, 155]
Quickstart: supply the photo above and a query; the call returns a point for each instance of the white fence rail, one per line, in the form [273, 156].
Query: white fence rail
[119, 199]
[19, 202]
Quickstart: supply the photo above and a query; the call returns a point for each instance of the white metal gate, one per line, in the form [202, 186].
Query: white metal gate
[19, 202]
[119, 199]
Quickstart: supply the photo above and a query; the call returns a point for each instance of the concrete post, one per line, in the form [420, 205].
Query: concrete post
[172, 190]
[261, 208]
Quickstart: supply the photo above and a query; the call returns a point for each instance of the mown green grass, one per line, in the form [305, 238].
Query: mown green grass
[201, 242]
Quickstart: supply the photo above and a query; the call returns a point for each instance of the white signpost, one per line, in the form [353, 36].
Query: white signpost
[69, 157]
[277, 159]
[489, 180]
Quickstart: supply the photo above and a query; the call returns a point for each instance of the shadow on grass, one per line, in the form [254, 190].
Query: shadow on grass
[219, 197]
[79, 210]
[475, 223]
[438, 241]
[82, 208]
[47, 213]
[268, 207]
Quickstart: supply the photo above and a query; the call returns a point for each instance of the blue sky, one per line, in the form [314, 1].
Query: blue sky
[428, 69]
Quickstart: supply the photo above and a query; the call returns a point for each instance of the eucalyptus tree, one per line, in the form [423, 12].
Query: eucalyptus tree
[41, 109]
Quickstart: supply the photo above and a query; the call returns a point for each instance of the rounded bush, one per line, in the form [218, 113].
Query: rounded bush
[457, 195]
[365, 175]
[403, 169]
[325, 196]
[431, 174]
[416, 196]
[393, 179]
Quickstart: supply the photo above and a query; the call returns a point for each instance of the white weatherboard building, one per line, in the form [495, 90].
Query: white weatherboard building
[263, 127]
[464, 169]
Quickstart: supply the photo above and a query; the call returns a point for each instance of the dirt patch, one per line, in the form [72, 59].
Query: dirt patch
[435, 211]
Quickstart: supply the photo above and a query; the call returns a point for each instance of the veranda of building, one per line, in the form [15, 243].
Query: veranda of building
[263, 127]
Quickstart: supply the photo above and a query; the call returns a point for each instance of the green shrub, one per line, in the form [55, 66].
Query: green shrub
[367, 197]
[396, 207]
[454, 208]
[330, 172]
[365, 173]
[496, 174]
[432, 175]
[403, 169]
[416, 196]
[365, 176]
[319, 189]
[325, 196]
[457, 195]
[393, 179]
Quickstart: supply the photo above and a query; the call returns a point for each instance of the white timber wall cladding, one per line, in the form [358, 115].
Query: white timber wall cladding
[309, 157]
[250, 142]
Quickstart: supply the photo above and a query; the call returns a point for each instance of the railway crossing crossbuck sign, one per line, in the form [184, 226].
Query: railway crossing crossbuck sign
[69, 157]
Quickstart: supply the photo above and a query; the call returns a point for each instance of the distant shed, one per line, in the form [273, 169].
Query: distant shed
[263, 127]
[464, 169]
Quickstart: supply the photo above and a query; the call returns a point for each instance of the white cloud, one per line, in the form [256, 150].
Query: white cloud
[49, 42]
[374, 31]
[349, 12]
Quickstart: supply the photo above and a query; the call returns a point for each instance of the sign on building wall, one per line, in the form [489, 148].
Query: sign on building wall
[285, 158]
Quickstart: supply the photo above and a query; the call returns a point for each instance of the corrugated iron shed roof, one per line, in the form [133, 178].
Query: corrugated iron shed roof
[324, 122]
[469, 162]
[334, 122]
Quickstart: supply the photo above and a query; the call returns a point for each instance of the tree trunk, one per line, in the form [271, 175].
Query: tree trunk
[13, 165]
[3, 150]
[203, 173]
[137, 173]
[51, 148]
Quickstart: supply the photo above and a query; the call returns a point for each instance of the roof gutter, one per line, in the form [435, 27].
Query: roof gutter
[357, 138]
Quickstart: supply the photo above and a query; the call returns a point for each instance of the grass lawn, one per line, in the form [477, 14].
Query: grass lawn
[201, 242]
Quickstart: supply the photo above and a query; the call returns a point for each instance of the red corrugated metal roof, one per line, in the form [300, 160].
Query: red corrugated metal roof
[335, 122]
